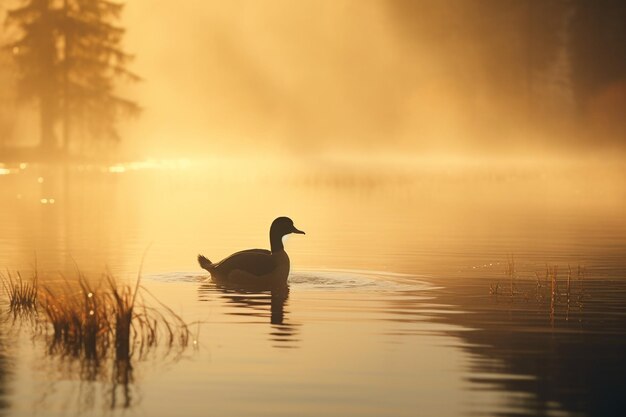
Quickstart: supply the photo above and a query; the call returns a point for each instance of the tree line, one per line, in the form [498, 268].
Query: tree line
[549, 62]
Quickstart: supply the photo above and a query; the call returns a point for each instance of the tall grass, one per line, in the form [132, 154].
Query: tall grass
[109, 319]
[22, 294]
[98, 325]
[511, 274]
[550, 289]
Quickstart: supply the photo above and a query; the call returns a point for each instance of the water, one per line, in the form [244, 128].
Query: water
[388, 311]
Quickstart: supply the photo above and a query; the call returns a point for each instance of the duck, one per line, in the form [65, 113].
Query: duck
[256, 267]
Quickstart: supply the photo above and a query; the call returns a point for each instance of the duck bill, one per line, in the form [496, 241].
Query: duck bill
[300, 232]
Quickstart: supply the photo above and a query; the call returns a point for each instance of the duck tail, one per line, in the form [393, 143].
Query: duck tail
[205, 263]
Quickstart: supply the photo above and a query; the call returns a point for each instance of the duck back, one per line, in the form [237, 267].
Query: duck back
[254, 267]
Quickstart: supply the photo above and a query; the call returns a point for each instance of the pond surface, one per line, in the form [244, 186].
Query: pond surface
[399, 303]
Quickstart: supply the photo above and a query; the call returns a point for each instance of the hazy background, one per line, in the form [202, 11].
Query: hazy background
[458, 76]
[364, 77]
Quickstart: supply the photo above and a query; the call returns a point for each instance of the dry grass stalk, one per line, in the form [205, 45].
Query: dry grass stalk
[538, 287]
[568, 290]
[553, 273]
[96, 322]
[581, 279]
[511, 273]
[546, 289]
[109, 324]
[22, 294]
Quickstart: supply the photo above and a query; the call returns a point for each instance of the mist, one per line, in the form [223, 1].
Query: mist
[365, 78]
[353, 76]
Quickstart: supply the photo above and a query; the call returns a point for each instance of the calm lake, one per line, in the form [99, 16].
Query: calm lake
[399, 301]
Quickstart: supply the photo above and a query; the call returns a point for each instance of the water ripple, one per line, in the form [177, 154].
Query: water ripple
[324, 280]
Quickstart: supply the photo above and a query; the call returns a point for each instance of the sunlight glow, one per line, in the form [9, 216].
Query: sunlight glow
[117, 169]
[150, 164]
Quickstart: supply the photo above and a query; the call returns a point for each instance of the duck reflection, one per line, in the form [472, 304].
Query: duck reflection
[258, 303]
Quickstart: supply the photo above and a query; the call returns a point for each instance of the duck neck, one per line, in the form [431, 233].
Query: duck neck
[276, 242]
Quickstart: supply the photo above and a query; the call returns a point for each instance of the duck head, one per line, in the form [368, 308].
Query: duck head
[282, 226]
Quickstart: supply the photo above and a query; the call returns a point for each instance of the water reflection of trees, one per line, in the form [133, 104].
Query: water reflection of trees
[576, 363]
[61, 215]
[259, 304]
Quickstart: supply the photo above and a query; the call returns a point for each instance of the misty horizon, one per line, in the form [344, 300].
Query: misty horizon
[315, 78]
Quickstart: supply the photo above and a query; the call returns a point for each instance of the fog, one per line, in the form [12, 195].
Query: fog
[313, 76]
[373, 77]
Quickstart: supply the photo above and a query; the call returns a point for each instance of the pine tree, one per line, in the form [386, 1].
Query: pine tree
[92, 61]
[35, 55]
[70, 57]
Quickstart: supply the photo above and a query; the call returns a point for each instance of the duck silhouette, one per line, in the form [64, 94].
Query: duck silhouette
[259, 268]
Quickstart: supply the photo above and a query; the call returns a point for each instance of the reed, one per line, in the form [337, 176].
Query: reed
[512, 274]
[494, 288]
[553, 272]
[581, 272]
[103, 326]
[546, 289]
[109, 319]
[22, 294]
[538, 287]
[80, 319]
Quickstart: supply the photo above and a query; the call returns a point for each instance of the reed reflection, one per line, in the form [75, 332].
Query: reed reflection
[102, 365]
[5, 372]
[257, 303]
[568, 360]
[94, 332]
[98, 384]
